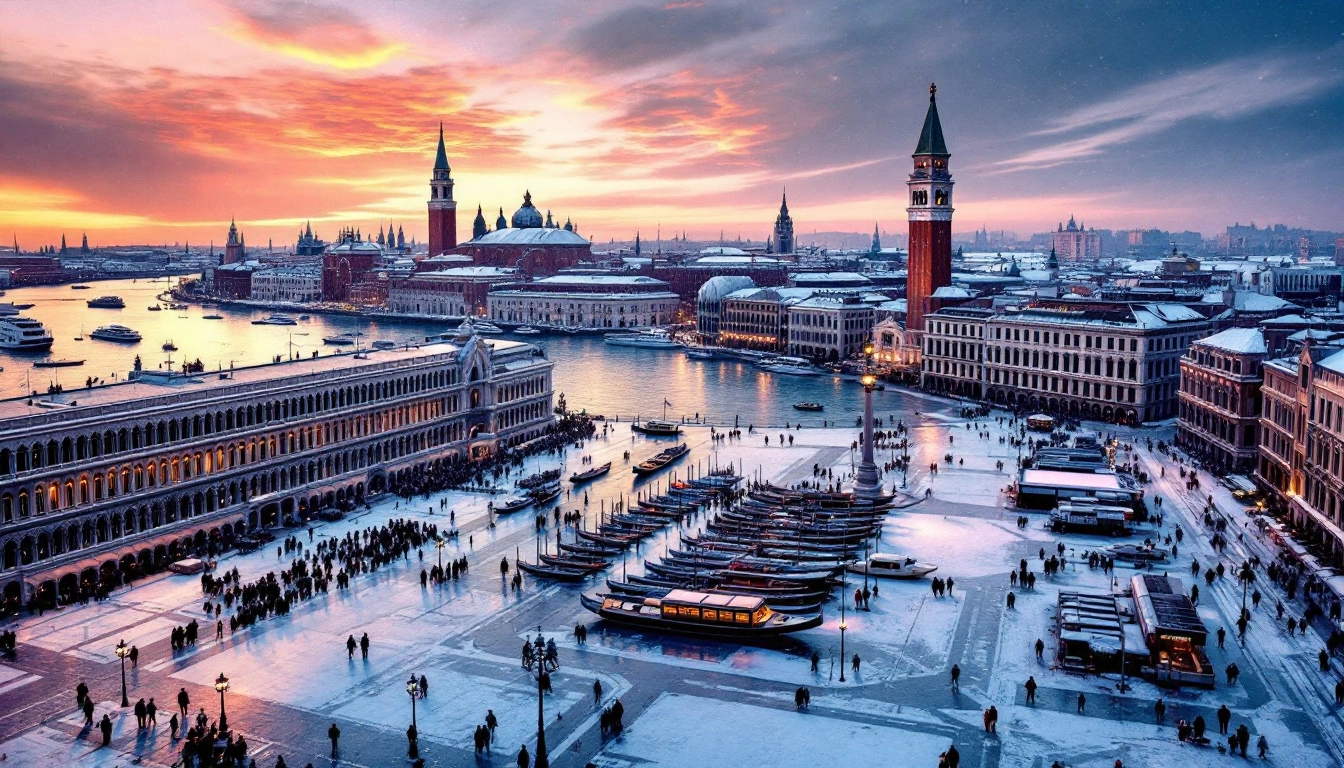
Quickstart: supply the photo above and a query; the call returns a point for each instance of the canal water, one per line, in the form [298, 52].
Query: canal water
[598, 377]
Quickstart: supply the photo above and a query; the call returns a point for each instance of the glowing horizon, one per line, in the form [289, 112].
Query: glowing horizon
[163, 122]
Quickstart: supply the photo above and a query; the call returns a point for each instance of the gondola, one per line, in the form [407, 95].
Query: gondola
[539, 479]
[513, 505]
[590, 550]
[554, 574]
[595, 472]
[545, 494]
[661, 460]
[575, 564]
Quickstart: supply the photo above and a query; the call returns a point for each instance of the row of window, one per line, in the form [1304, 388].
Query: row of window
[25, 457]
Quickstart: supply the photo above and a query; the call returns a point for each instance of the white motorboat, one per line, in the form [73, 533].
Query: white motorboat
[792, 366]
[118, 333]
[526, 330]
[342, 340]
[889, 566]
[23, 334]
[645, 339]
[700, 353]
[483, 328]
[384, 344]
[277, 319]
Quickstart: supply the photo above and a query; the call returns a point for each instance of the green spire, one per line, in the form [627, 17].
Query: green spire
[441, 159]
[931, 137]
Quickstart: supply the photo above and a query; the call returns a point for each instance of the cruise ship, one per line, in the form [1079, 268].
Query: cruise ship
[276, 319]
[119, 333]
[792, 366]
[106, 302]
[23, 334]
[646, 339]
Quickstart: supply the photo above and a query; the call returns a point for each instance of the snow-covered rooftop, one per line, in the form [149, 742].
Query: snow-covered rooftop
[1241, 341]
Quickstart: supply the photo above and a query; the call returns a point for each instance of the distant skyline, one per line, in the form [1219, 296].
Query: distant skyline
[158, 121]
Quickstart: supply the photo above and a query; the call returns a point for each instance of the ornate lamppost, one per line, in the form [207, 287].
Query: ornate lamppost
[540, 660]
[868, 479]
[222, 685]
[413, 734]
[123, 650]
[843, 625]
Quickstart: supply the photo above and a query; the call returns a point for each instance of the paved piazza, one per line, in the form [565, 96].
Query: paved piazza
[687, 702]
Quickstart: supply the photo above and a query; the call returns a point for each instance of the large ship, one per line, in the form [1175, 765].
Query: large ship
[23, 334]
[792, 366]
[276, 319]
[646, 339]
[699, 613]
[118, 333]
[106, 302]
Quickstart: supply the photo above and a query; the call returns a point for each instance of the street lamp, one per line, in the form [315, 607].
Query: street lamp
[843, 625]
[540, 660]
[413, 735]
[439, 544]
[222, 685]
[123, 650]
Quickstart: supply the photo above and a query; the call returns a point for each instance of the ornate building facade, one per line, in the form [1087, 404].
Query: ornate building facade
[148, 469]
[1219, 410]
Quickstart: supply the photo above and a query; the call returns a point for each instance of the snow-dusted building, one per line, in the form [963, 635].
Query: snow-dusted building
[709, 303]
[120, 480]
[586, 301]
[1112, 361]
[299, 285]
[1219, 408]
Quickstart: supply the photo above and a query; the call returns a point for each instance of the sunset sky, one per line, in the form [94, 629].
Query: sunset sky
[158, 120]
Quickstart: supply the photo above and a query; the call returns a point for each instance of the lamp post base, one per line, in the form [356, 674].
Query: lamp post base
[868, 481]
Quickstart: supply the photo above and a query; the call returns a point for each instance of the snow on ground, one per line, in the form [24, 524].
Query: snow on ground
[680, 730]
[47, 746]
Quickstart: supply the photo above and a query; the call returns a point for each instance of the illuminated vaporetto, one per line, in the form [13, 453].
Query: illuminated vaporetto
[101, 481]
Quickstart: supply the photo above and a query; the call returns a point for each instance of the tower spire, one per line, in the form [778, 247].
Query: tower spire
[931, 136]
[441, 159]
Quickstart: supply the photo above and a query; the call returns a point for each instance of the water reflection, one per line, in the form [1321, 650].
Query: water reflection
[614, 381]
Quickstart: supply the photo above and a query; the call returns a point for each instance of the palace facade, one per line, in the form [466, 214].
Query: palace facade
[101, 484]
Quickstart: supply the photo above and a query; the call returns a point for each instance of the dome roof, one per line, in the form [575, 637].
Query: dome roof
[527, 217]
[715, 288]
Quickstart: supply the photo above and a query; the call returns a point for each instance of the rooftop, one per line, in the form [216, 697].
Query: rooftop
[530, 236]
[1241, 341]
[152, 388]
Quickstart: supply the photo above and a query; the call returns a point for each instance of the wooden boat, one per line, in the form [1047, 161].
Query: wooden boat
[62, 363]
[806, 406]
[656, 428]
[589, 550]
[595, 472]
[699, 613]
[554, 574]
[539, 479]
[887, 566]
[513, 505]
[783, 603]
[574, 563]
[545, 494]
[661, 460]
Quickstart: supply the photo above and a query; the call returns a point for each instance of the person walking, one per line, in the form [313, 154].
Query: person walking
[105, 725]
[81, 693]
[140, 714]
[1040, 649]
[350, 646]
[953, 757]
[1160, 710]
[172, 723]
[424, 687]
[956, 678]
[1262, 746]
[183, 701]
[816, 662]
[597, 692]
[1243, 737]
[135, 657]
[1224, 718]
[88, 712]
[854, 667]
[1082, 702]
[151, 713]
[334, 734]
[1339, 691]
[993, 719]
[524, 759]
[364, 645]
[491, 722]
[1031, 690]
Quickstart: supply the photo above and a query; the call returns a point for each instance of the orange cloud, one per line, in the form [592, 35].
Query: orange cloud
[312, 32]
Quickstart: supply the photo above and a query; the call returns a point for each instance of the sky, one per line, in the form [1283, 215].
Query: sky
[157, 121]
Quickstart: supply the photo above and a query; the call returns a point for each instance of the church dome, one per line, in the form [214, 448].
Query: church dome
[527, 217]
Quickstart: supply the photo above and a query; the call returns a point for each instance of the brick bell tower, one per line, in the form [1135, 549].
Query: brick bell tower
[442, 207]
[930, 262]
